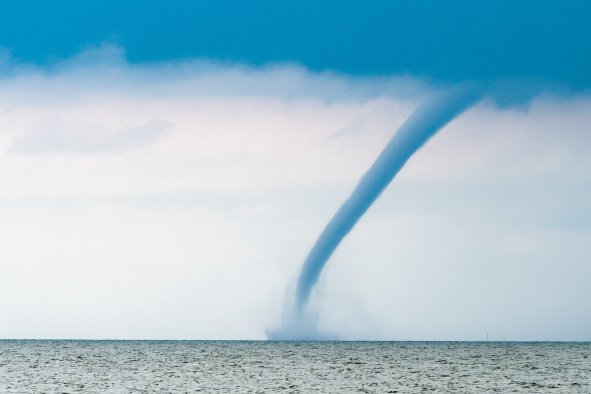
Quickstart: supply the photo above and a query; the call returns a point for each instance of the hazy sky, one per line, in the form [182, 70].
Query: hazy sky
[173, 191]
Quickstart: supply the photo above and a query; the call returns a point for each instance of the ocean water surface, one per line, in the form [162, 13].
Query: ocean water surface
[56, 366]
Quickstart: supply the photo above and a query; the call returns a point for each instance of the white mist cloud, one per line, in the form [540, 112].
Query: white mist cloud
[179, 200]
[58, 136]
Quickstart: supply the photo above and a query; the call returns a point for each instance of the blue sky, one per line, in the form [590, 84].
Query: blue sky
[167, 165]
[446, 41]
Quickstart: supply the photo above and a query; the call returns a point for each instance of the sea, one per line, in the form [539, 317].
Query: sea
[81, 366]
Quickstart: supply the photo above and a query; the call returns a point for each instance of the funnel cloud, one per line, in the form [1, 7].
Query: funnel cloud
[429, 118]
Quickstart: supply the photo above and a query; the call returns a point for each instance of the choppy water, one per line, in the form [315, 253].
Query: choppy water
[228, 366]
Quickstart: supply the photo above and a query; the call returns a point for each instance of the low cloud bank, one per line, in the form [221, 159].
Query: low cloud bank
[178, 200]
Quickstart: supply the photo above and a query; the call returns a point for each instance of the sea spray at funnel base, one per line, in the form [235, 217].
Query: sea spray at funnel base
[418, 129]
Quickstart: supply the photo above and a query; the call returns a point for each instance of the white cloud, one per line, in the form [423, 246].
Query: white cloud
[179, 200]
[57, 136]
